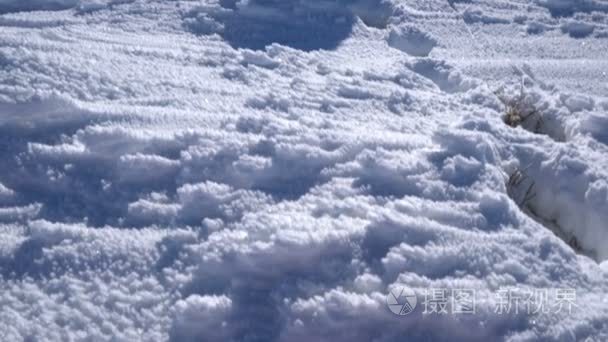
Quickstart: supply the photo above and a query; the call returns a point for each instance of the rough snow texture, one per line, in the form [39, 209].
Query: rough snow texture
[56, 5]
[268, 170]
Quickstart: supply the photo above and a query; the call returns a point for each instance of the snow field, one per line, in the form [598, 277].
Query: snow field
[167, 178]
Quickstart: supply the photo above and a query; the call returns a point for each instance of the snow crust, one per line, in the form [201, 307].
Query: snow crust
[269, 170]
[56, 5]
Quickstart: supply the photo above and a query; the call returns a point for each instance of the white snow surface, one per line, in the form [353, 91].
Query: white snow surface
[220, 170]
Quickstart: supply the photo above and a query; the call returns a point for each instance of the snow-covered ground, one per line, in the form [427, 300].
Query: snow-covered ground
[268, 170]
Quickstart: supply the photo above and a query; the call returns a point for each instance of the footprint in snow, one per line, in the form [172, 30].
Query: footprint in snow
[412, 41]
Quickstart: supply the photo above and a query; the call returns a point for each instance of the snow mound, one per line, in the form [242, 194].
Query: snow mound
[597, 126]
[569, 7]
